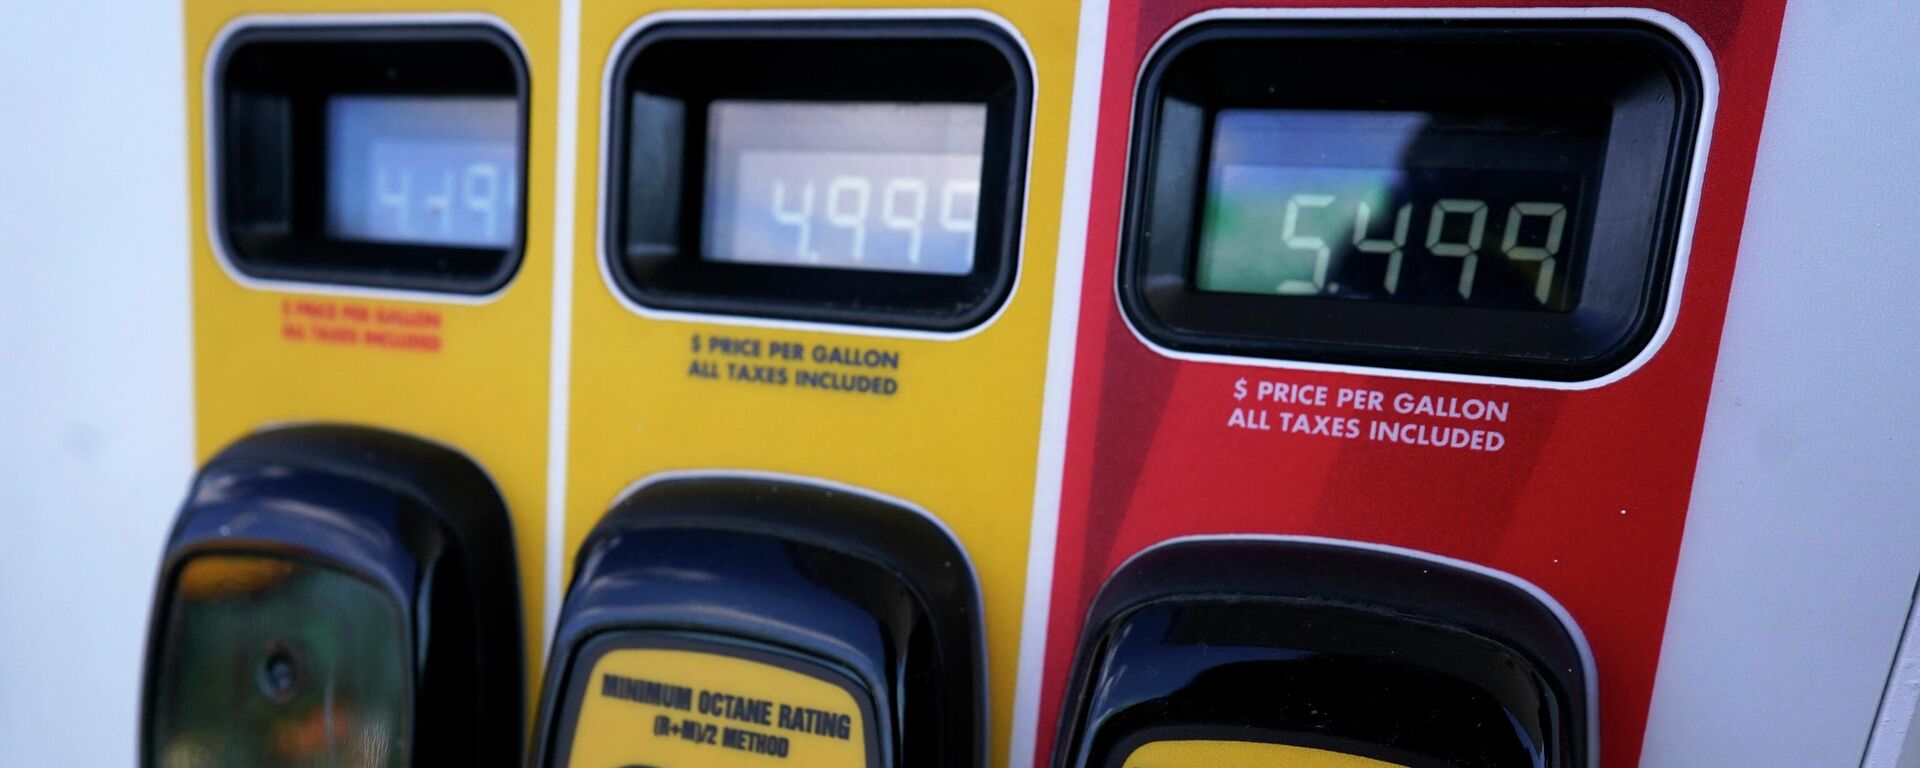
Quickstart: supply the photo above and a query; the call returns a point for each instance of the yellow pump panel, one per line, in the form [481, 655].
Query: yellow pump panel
[470, 373]
[959, 435]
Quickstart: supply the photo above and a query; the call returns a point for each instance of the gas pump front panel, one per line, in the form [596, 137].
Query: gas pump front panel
[372, 196]
[1421, 298]
[1436, 283]
[814, 249]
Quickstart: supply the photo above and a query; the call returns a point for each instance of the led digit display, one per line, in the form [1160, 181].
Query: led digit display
[846, 185]
[1384, 206]
[423, 170]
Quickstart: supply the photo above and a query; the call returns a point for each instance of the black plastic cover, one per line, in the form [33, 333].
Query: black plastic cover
[789, 573]
[419, 523]
[1328, 646]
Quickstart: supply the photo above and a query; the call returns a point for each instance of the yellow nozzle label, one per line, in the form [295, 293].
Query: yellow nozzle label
[1243, 754]
[665, 708]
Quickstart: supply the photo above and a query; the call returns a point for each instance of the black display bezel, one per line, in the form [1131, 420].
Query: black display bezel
[652, 230]
[270, 148]
[1639, 72]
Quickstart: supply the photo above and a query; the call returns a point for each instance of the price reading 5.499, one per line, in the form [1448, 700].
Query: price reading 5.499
[1442, 241]
[1483, 238]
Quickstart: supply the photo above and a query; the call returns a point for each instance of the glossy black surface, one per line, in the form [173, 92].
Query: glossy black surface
[420, 523]
[1364, 652]
[762, 568]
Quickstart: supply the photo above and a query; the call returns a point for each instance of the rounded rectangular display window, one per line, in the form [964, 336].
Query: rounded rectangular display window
[854, 172]
[376, 156]
[1479, 197]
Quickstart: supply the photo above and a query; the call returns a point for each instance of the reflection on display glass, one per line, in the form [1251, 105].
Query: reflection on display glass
[1406, 207]
[845, 185]
[423, 170]
[274, 663]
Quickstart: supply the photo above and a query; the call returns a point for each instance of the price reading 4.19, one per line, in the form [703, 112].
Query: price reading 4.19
[429, 193]
[423, 170]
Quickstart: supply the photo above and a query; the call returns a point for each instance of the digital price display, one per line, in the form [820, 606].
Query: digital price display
[1474, 196]
[438, 170]
[845, 185]
[380, 156]
[1361, 205]
[861, 172]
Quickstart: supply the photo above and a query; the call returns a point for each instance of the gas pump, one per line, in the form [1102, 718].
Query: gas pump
[347, 580]
[811, 298]
[1378, 403]
[1395, 342]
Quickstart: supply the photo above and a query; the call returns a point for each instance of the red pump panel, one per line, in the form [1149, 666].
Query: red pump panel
[1579, 489]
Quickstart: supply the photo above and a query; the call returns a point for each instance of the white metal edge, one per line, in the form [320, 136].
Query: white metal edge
[1894, 720]
[560, 360]
[606, 117]
[210, 132]
[1083, 124]
[1696, 177]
